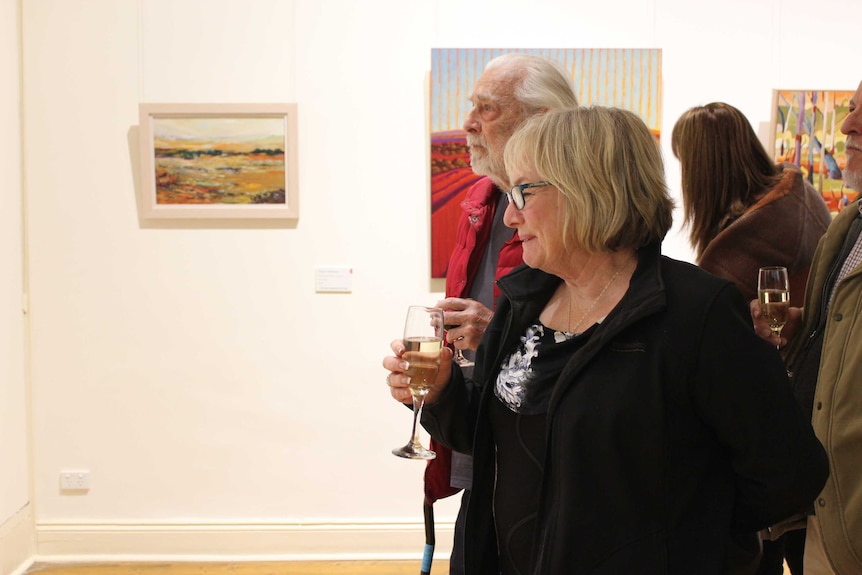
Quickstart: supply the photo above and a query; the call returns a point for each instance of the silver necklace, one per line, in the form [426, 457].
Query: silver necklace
[592, 305]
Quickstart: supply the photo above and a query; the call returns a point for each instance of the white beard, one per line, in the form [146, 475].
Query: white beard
[484, 163]
[853, 180]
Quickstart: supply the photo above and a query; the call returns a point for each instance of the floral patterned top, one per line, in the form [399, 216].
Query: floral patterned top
[523, 388]
[527, 376]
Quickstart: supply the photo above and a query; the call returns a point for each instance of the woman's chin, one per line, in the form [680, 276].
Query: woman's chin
[532, 261]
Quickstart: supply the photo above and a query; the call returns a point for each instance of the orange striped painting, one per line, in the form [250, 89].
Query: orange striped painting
[625, 78]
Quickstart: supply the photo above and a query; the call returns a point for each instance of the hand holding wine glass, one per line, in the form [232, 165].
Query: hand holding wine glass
[423, 341]
[461, 359]
[773, 292]
[469, 315]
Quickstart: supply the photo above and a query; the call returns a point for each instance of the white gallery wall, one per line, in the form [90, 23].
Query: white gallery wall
[17, 542]
[221, 405]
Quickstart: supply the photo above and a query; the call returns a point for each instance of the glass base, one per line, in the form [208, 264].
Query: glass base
[411, 452]
[462, 360]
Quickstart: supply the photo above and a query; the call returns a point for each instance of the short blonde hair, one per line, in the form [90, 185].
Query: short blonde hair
[608, 167]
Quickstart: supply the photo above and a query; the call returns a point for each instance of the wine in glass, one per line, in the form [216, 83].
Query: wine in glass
[773, 291]
[423, 340]
[460, 358]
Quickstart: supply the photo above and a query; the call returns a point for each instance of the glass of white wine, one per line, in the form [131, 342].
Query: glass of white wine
[423, 340]
[773, 292]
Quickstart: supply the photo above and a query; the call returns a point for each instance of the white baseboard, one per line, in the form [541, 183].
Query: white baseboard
[17, 542]
[76, 542]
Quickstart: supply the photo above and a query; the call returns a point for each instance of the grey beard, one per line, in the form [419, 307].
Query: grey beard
[853, 180]
[486, 167]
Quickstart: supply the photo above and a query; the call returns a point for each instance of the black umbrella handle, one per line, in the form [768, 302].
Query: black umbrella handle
[428, 555]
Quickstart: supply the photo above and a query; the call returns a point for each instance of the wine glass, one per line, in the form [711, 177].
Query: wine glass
[459, 358]
[773, 292]
[423, 340]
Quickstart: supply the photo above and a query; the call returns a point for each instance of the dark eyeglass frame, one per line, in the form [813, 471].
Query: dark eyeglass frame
[516, 194]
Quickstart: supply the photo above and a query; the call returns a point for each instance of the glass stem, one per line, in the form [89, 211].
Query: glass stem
[418, 403]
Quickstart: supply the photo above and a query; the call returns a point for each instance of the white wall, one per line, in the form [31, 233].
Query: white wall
[220, 404]
[17, 541]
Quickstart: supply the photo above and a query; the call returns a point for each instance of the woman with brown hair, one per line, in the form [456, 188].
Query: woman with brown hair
[744, 211]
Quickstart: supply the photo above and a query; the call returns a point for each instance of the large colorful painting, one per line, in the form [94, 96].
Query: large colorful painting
[626, 78]
[806, 129]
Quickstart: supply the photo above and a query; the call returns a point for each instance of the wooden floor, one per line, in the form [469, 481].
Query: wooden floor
[250, 568]
[241, 568]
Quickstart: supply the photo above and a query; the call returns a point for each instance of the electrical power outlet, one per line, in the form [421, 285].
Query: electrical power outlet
[78, 480]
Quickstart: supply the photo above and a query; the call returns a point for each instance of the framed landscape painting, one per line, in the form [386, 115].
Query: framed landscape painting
[626, 78]
[222, 161]
[805, 130]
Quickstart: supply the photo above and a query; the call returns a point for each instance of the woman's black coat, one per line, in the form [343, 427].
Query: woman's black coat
[672, 431]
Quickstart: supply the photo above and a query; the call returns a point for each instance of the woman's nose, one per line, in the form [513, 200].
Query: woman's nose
[512, 216]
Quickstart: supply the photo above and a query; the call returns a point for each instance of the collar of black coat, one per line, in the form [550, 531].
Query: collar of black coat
[526, 285]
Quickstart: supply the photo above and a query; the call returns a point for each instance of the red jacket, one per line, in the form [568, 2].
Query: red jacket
[474, 232]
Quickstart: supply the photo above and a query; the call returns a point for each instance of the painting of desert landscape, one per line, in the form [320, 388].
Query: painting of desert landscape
[625, 78]
[219, 160]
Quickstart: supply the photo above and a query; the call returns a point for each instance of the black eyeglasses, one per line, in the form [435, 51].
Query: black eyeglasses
[516, 194]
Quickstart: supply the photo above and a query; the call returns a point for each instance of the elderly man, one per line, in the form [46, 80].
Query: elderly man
[512, 88]
[825, 358]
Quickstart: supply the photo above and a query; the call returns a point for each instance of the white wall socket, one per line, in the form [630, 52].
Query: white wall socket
[75, 480]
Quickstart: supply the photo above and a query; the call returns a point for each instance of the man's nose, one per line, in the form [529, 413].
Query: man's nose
[470, 122]
[852, 124]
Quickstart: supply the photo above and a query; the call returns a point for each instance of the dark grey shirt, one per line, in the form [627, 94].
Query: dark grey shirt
[482, 291]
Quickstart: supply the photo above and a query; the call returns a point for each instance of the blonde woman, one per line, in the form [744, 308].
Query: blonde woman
[625, 417]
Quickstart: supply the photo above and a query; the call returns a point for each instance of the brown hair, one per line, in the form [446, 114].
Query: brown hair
[725, 168]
